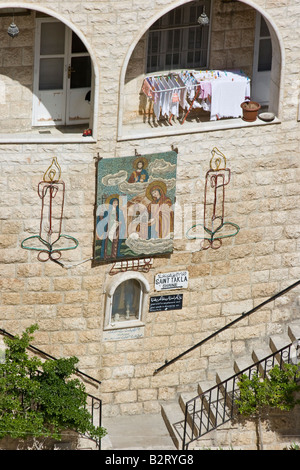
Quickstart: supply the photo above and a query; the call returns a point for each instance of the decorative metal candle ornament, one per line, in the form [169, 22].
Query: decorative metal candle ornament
[52, 193]
[13, 30]
[214, 225]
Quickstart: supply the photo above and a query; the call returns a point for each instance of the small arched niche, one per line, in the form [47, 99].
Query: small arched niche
[126, 301]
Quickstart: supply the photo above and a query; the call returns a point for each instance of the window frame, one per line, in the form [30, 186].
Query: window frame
[110, 290]
[183, 51]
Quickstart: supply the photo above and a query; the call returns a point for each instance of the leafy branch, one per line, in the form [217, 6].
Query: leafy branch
[40, 399]
[275, 390]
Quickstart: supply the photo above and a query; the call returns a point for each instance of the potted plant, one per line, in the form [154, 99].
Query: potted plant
[250, 110]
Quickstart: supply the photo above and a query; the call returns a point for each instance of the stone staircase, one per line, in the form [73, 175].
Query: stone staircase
[174, 413]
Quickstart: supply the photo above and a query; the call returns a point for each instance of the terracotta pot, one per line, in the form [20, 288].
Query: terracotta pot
[250, 110]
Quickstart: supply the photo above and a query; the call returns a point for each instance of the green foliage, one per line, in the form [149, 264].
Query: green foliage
[293, 446]
[276, 390]
[39, 399]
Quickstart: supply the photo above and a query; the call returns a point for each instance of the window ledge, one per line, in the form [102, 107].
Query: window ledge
[139, 131]
[124, 324]
[48, 134]
[44, 139]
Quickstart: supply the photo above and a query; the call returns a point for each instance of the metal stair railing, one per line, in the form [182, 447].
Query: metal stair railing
[216, 406]
[94, 406]
[229, 325]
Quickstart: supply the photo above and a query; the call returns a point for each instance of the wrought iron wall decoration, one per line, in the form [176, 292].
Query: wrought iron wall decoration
[214, 225]
[139, 265]
[135, 206]
[51, 190]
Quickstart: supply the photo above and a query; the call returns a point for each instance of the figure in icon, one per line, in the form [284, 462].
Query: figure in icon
[139, 174]
[111, 227]
[160, 210]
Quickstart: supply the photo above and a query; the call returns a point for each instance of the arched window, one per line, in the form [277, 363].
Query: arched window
[53, 77]
[126, 300]
[175, 41]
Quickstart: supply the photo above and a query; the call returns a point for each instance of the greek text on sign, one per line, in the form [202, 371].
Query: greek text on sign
[176, 280]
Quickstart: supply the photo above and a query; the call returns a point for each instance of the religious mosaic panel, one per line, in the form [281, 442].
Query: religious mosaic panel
[135, 206]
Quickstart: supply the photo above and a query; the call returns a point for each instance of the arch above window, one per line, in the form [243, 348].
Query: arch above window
[126, 301]
[58, 96]
[155, 49]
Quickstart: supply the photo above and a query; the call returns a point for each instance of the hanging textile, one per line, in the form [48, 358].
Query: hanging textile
[135, 206]
[218, 92]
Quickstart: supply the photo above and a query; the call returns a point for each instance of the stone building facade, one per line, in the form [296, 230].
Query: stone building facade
[69, 302]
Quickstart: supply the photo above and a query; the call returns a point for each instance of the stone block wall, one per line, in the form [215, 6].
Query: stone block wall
[16, 74]
[232, 36]
[262, 198]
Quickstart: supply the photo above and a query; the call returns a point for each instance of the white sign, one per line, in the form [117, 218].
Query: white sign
[123, 334]
[167, 281]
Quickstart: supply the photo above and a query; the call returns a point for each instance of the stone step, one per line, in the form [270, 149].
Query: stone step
[259, 354]
[294, 335]
[279, 342]
[174, 419]
[209, 396]
[227, 387]
[205, 385]
[193, 406]
[241, 364]
[209, 392]
[294, 331]
[184, 398]
[203, 409]
[224, 374]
